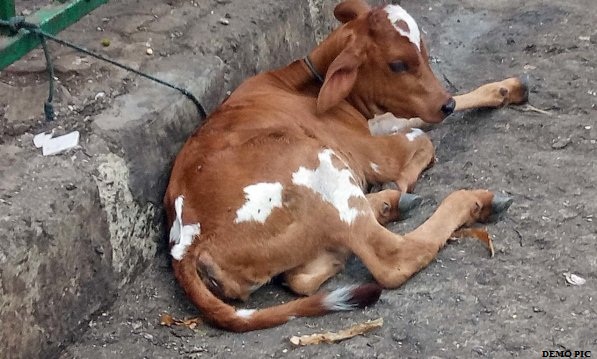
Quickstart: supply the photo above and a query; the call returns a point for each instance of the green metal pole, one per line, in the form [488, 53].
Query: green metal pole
[52, 19]
[7, 9]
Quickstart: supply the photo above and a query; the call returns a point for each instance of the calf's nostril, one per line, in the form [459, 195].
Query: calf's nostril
[449, 106]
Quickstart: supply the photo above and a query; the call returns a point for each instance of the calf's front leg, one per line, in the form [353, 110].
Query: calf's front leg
[398, 158]
[393, 259]
[511, 91]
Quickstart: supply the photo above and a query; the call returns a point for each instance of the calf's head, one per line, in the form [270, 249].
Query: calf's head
[382, 65]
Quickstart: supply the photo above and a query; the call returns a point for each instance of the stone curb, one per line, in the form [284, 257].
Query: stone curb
[75, 228]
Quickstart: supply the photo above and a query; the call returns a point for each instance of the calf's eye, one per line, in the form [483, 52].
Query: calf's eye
[398, 66]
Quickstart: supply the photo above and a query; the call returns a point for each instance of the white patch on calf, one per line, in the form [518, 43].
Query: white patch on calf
[262, 198]
[396, 14]
[414, 133]
[335, 186]
[374, 167]
[181, 236]
[245, 313]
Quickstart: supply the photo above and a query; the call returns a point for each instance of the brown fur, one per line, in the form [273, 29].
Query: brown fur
[278, 121]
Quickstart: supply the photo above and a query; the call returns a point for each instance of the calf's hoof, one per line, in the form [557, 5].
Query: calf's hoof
[407, 203]
[499, 205]
[525, 84]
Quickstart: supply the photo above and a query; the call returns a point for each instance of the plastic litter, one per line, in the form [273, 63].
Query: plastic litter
[53, 145]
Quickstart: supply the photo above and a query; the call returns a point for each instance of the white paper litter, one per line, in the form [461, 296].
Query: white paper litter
[51, 146]
[41, 138]
[574, 279]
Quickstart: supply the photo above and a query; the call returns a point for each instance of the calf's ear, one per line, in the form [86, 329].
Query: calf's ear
[350, 10]
[339, 79]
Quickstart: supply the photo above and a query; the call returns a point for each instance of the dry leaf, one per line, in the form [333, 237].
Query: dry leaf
[331, 337]
[191, 323]
[168, 321]
[479, 233]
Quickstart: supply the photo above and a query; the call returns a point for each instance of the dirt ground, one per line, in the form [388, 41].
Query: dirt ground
[464, 304]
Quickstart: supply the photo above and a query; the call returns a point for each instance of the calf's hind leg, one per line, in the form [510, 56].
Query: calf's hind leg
[393, 259]
[386, 205]
[307, 278]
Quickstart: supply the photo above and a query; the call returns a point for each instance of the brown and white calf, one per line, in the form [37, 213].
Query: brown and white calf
[274, 182]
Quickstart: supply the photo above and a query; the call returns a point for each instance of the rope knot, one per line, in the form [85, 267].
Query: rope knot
[16, 23]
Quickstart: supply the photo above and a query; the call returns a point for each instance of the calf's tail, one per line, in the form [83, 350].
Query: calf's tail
[227, 317]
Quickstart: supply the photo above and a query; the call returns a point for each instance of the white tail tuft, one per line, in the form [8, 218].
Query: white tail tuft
[340, 299]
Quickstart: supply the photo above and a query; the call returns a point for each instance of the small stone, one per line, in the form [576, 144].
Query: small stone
[399, 337]
[99, 250]
[574, 279]
[560, 143]
[224, 21]
[479, 350]
[567, 213]
[149, 51]
[70, 187]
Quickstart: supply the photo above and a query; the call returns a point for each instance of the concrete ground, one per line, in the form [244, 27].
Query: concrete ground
[76, 229]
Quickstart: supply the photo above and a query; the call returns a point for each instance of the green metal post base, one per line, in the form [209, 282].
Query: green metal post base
[51, 19]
